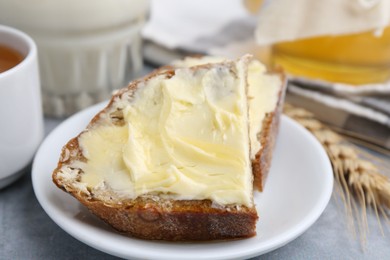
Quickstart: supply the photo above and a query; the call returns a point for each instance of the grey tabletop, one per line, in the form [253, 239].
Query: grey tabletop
[27, 232]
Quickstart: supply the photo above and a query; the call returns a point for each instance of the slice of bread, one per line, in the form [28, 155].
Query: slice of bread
[271, 86]
[149, 169]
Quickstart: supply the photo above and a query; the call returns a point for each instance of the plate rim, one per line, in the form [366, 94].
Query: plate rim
[277, 242]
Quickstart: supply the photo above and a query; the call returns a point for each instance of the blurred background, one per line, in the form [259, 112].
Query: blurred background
[336, 55]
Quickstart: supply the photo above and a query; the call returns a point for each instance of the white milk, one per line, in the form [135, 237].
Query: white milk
[87, 48]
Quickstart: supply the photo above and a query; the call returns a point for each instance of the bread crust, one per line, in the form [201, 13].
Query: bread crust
[157, 218]
[174, 220]
[267, 137]
[161, 219]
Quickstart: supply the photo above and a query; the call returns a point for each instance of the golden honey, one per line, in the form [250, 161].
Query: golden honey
[354, 59]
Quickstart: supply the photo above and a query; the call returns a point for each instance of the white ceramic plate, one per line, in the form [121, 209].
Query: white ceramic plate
[297, 191]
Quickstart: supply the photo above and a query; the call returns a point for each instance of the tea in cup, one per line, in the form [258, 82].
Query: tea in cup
[21, 117]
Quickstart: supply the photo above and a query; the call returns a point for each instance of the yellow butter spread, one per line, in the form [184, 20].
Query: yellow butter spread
[263, 92]
[186, 137]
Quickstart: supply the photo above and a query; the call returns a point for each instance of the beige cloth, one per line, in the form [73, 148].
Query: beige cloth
[286, 20]
[366, 118]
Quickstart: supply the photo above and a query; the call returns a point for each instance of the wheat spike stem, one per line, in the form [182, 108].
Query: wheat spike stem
[360, 184]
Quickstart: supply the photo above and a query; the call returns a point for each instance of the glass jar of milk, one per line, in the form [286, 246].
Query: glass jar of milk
[86, 48]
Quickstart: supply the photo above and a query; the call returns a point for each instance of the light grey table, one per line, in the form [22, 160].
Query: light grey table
[26, 231]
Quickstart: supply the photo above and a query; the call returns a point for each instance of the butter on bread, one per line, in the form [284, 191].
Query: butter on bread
[265, 94]
[174, 156]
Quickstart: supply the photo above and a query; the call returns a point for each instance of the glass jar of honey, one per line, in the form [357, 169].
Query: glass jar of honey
[354, 59]
[341, 41]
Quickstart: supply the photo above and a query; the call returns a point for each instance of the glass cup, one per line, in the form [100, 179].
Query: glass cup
[86, 48]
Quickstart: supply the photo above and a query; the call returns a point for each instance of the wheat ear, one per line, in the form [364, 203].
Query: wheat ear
[358, 181]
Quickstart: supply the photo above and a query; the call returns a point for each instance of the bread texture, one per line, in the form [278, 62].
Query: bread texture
[156, 217]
